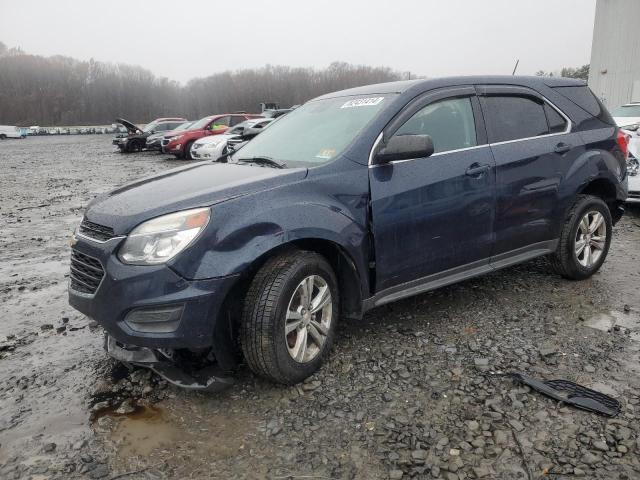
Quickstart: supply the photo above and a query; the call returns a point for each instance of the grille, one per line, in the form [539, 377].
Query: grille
[95, 231]
[86, 273]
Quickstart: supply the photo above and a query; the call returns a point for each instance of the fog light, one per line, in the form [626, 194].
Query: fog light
[155, 319]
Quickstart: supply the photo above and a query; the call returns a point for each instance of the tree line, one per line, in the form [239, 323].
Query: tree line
[56, 91]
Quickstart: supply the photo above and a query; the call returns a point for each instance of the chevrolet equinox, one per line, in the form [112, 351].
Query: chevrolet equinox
[353, 200]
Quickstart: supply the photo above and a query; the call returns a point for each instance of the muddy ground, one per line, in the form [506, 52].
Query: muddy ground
[408, 392]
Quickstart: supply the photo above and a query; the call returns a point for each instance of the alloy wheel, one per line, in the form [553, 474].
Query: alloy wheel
[591, 239]
[308, 319]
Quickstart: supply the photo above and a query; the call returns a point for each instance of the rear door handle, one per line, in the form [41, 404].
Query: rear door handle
[476, 170]
[562, 148]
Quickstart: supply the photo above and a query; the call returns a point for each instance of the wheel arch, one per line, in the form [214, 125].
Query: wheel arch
[343, 265]
[606, 190]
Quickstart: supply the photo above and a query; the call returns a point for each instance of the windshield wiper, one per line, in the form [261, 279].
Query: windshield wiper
[263, 161]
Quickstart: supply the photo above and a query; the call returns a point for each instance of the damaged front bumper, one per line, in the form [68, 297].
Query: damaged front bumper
[209, 378]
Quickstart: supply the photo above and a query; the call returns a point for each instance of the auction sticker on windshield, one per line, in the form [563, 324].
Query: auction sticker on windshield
[363, 102]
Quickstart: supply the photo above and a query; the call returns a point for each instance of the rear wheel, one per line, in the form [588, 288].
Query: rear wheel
[585, 239]
[3, 136]
[289, 318]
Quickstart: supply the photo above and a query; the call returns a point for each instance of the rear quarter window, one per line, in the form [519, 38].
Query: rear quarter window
[583, 97]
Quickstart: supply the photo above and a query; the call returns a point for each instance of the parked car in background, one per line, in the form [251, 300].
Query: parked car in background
[136, 138]
[627, 116]
[154, 141]
[356, 199]
[10, 131]
[180, 145]
[276, 113]
[213, 147]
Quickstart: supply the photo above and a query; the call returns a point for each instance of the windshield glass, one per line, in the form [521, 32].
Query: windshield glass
[315, 133]
[627, 111]
[200, 124]
[150, 127]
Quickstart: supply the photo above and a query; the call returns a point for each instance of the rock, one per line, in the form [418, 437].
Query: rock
[589, 368]
[501, 437]
[49, 447]
[547, 351]
[126, 407]
[46, 326]
[578, 472]
[627, 308]
[473, 425]
[454, 452]
[590, 458]
[517, 426]
[395, 474]
[419, 455]
[622, 449]
[600, 445]
[435, 471]
[100, 471]
[387, 397]
[481, 472]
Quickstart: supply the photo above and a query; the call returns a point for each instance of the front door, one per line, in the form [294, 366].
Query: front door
[435, 214]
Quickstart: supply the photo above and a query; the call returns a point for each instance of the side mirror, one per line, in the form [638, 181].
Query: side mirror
[405, 147]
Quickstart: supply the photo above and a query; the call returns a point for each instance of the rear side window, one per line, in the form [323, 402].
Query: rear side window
[449, 123]
[513, 117]
[557, 123]
[236, 120]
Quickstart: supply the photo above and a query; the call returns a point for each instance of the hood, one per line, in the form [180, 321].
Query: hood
[197, 185]
[626, 121]
[131, 128]
[214, 139]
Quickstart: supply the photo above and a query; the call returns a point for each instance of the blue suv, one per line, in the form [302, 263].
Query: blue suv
[353, 200]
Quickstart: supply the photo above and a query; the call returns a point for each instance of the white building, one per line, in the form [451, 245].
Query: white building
[614, 75]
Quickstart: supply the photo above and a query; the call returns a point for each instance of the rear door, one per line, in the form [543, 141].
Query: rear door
[434, 214]
[533, 149]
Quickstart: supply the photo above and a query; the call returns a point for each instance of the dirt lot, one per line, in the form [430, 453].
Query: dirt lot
[408, 392]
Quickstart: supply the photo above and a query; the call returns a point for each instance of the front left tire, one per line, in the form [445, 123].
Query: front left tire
[289, 317]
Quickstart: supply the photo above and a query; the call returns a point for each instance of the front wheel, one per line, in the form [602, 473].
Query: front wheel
[187, 151]
[585, 239]
[289, 317]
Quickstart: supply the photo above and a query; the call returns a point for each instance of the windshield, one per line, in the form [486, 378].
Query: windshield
[200, 124]
[150, 127]
[315, 133]
[627, 111]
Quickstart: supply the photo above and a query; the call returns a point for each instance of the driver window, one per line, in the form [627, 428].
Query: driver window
[449, 123]
[218, 123]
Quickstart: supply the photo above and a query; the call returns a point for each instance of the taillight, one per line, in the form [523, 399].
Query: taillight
[623, 143]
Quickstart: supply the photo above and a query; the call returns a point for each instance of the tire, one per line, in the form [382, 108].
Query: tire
[569, 260]
[3, 136]
[187, 151]
[277, 288]
[134, 146]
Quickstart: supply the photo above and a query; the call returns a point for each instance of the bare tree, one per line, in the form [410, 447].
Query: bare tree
[63, 91]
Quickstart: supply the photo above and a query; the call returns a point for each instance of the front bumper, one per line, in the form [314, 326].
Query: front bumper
[208, 378]
[150, 290]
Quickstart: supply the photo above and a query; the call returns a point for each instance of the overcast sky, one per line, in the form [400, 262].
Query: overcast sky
[194, 38]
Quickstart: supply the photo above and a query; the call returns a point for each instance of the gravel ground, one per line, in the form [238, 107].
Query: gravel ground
[410, 391]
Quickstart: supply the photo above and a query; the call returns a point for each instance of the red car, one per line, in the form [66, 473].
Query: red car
[180, 144]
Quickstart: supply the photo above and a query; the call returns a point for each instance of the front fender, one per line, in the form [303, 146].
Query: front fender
[246, 228]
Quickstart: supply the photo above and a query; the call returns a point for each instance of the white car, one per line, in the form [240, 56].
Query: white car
[213, 147]
[628, 119]
[10, 131]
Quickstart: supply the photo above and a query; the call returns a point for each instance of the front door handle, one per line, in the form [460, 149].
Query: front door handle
[476, 170]
[562, 148]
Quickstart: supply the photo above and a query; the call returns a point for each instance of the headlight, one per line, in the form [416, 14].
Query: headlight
[177, 137]
[160, 239]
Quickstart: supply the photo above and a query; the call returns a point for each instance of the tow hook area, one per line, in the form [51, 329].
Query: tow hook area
[209, 378]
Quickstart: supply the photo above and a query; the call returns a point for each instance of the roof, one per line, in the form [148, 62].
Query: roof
[431, 83]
